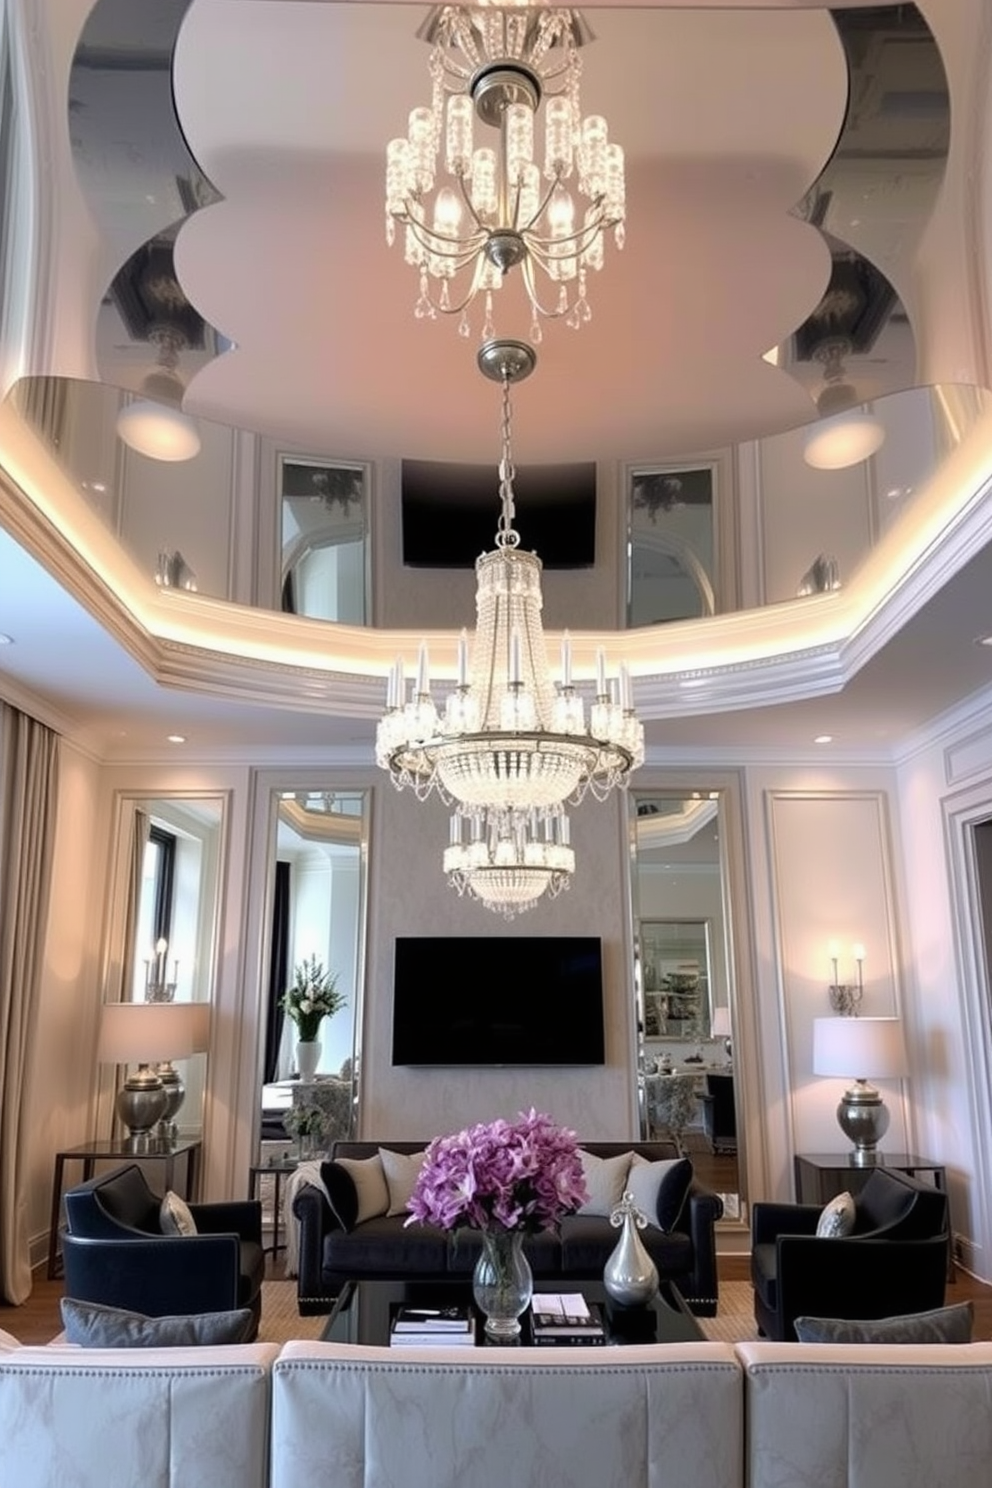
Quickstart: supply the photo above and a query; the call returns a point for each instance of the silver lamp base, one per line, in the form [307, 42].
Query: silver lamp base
[864, 1118]
[175, 1092]
[141, 1102]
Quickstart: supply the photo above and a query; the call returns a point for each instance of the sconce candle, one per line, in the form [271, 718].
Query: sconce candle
[845, 997]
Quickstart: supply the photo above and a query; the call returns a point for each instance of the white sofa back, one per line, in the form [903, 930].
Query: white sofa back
[897, 1416]
[664, 1415]
[135, 1418]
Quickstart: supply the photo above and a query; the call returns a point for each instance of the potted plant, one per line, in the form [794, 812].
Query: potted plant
[313, 997]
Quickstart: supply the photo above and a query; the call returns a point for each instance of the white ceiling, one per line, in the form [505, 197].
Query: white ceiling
[727, 117]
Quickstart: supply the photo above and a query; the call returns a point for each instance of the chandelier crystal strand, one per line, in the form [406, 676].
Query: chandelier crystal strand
[510, 746]
[472, 213]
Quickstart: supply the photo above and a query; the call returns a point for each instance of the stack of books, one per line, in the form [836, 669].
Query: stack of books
[441, 1327]
[566, 1318]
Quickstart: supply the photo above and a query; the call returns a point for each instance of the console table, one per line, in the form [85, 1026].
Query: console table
[277, 1170]
[147, 1150]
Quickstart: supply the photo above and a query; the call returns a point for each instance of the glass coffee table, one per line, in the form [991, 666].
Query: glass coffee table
[364, 1311]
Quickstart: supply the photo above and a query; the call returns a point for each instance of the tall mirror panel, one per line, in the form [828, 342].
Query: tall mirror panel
[683, 983]
[314, 970]
[160, 969]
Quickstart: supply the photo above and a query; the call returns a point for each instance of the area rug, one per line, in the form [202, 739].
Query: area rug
[734, 1322]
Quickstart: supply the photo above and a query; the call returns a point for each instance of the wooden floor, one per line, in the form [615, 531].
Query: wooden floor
[38, 1320]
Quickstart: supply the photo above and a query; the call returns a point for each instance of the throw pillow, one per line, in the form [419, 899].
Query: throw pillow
[942, 1325]
[660, 1189]
[96, 1326]
[837, 1218]
[175, 1217]
[401, 1170]
[371, 1194]
[605, 1178]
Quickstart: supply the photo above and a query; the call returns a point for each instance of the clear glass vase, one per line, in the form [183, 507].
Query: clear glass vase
[502, 1283]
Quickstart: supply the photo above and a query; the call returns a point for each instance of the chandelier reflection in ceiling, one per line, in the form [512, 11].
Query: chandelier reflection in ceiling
[471, 213]
[509, 747]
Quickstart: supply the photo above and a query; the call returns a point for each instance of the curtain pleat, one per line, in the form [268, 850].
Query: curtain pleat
[29, 763]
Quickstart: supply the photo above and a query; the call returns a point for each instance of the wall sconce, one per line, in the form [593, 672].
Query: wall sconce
[845, 997]
[861, 1049]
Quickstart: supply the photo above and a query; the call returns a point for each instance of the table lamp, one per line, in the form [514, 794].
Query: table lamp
[720, 1028]
[861, 1049]
[151, 1035]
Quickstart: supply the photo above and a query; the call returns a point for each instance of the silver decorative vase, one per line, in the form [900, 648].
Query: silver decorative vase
[630, 1275]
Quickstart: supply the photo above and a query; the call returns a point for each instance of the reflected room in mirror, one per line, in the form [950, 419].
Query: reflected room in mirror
[309, 1095]
[161, 952]
[682, 984]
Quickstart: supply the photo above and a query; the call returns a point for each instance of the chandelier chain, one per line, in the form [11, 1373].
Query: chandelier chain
[506, 535]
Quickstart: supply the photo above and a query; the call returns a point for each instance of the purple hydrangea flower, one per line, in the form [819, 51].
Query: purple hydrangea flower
[521, 1175]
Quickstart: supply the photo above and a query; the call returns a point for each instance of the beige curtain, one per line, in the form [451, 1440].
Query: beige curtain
[29, 761]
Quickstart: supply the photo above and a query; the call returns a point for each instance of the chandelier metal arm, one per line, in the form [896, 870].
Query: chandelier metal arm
[461, 254]
[527, 270]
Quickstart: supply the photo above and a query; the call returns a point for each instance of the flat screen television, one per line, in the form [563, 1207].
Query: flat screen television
[498, 1000]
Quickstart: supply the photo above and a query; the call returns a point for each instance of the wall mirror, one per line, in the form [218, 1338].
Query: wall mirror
[325, 547]
[317, 897]
[161, 949]
[682, 982]
[671, 543]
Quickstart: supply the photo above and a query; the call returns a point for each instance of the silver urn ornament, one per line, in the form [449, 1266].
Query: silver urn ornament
[630, 1275]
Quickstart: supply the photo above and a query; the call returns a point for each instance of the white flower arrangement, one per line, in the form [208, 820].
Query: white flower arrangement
[312, 998]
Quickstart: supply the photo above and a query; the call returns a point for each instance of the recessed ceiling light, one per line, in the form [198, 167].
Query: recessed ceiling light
[176, 738]
[6, 640]
[824, 739]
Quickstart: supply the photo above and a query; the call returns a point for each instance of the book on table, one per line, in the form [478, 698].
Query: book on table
[565, 1317]
[432, 1320]
[426, 1327]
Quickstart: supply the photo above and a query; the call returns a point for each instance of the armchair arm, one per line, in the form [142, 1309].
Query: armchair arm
[243, 1217]
[858, 1278]
[316, 1220]
[769, 1220]
[702, 1210]
[158, 1276]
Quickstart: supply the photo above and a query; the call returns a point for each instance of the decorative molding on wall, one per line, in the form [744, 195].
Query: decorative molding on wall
[969, 756]
[831, 866]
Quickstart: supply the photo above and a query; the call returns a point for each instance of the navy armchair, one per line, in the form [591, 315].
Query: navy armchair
[115, 1252]
[894, 1262]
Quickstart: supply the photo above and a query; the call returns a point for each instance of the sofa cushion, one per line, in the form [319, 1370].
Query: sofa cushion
[401, 1171]
[660, 1189]
[386, 1247]
[940, 1325]
[587, 1243]
[175, 1216]
[836, 1218]
[605, 1179]
[96, 1326]
[356, 1189]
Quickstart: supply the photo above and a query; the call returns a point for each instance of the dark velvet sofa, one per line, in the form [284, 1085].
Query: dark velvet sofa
[115, 1252]
[894, 1261]
[386, 1248]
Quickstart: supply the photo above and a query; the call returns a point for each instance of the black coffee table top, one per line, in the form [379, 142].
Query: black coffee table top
[364, 1310]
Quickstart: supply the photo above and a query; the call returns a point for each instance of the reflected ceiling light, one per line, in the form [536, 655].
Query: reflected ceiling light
[154, 424]
[494, 206]
[510, 748]
[845, 434]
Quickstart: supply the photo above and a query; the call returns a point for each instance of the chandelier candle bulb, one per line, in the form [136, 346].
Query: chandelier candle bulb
[463, 660]
[601, 674]
[566, 661]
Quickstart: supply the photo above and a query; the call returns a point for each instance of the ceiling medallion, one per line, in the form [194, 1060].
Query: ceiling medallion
[510, 747]
[495, 207]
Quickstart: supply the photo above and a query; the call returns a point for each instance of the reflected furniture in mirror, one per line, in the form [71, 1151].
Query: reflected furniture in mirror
[317, 856]
[683, 979]
[718, 1103]
[121, 1249]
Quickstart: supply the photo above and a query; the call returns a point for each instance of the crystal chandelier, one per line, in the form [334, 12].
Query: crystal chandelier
[496, 207]
[509, 746]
